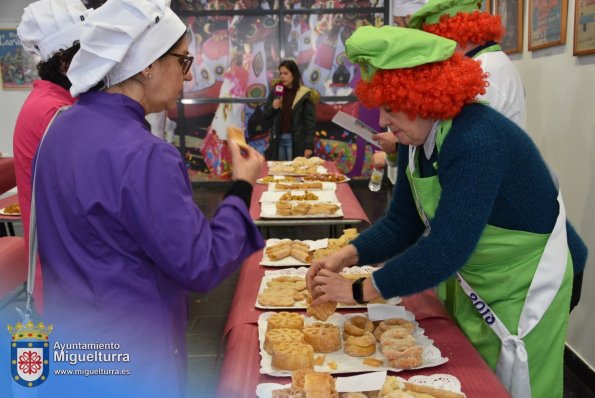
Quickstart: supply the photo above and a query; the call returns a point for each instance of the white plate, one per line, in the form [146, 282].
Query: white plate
[9, 214]
[440, 380]
[347, 364]
[326, 186]
[269, 210]
[270, 275]
[323, 196]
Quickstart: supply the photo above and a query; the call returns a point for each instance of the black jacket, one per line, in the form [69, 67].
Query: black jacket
[303, 123]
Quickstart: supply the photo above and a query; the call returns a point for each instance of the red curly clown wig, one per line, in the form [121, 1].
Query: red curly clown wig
[437, 90]
[476, 27]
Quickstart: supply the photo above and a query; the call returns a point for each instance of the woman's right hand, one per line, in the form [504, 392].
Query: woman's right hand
[247, 166]
[277, 103]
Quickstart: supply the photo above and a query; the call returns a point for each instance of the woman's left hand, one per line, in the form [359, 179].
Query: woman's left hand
[307, 153]
[330, 286]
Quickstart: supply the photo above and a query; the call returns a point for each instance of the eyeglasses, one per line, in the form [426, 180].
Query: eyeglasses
[184, 60]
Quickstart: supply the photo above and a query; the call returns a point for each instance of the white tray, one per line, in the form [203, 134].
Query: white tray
[326, 186]
[323, 196]
[440, 380]
[347, 364]
[300, 305]
[289, 260]
[269, 210]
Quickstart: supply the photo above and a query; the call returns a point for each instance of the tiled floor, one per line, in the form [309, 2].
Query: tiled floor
[208, 311]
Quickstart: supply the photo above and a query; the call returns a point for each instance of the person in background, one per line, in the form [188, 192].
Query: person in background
[120, 236]
[291, 108]
[475, 199]
[49, 29]
[477, 35]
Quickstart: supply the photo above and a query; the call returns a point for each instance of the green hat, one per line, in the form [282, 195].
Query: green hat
[390, 47]
[431, 12]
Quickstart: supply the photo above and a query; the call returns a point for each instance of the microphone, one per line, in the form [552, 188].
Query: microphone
[279, 90]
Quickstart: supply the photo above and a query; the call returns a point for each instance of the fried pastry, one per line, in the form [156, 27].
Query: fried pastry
[292, 356]
[320, 385]
[304, 257]
[284, 319]
[407, 359]
[323, 337]
[298, 377]
[320, 311]
[393, 348]
[357, 326]
[291, 392]
[275, 336]
[431, 391]
[360, 346]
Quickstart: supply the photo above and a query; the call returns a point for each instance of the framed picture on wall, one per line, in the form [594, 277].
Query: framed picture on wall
[17, 66]
[584, 27]
[511, 12]
[547, 23]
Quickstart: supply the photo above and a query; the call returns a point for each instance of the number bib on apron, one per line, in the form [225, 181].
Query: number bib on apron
[512, 296]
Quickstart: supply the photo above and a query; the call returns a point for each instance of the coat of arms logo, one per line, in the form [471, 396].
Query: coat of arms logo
[29, 353]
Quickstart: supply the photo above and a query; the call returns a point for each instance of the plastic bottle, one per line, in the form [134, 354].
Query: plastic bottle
[376, 179]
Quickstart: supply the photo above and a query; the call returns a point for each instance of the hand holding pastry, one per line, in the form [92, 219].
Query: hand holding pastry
[248, 167]
[344, 257]
[331, 287]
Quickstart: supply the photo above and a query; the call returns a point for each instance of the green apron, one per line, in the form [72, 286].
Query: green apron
[498, 276]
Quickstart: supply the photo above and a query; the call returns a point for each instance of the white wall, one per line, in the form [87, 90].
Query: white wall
[561, 119]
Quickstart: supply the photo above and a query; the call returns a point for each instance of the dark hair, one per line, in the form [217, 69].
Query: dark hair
[53, 69]
[295, 71]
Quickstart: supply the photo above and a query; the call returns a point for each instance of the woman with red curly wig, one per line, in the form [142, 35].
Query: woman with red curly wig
[477, 35]
[474, 199]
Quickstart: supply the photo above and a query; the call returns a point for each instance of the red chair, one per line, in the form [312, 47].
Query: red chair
[13, 268]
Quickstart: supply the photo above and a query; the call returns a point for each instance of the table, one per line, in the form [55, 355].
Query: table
[353, 213]
[6, 221]
[7, 176]
[240, 375]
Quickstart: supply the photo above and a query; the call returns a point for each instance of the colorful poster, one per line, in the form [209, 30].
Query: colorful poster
[17, 67]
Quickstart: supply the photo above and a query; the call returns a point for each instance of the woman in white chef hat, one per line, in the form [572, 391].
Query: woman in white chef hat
[119, 233]
[50, 29]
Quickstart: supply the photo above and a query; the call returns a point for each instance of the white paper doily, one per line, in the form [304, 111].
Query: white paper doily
[431, 355]
[441, 381]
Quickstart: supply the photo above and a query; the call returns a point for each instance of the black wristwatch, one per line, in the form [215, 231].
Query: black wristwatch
[357, 289]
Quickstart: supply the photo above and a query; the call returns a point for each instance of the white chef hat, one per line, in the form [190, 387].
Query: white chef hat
[120, 39]
[48, 26]
[403, 8]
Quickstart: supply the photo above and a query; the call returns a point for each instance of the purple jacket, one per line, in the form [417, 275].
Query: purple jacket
[121, 238]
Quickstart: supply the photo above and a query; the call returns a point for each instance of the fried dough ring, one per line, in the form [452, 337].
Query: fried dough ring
[357, 325]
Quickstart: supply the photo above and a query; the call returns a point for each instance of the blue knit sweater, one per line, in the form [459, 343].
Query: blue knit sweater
[490, 173]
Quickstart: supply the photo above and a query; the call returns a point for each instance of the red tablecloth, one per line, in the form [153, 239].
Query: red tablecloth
[240, 375]
[352, 210]
[7, 176]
